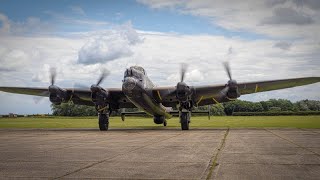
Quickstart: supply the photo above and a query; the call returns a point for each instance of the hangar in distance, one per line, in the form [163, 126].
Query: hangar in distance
[139, 91]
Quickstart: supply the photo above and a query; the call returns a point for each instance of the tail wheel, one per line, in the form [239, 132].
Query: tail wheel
[185, 120]
[165, 123]
[103, 122]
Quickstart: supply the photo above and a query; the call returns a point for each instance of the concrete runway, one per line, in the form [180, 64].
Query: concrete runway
[161, 154]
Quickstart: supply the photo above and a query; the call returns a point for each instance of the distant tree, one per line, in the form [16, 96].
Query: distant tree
[283, 104]
[217, 110]
[275, 105]
[70, 109]
[242, 106]
[308, 105]
[275, 109]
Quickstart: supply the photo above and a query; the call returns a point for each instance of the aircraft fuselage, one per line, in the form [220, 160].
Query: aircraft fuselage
[135, 86]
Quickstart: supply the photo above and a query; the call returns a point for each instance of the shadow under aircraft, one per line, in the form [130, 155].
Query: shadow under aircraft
[139, 91]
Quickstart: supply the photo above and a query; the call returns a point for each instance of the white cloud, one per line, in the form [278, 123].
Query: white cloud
[77, 10]
[12, 59]
[5, 24]
[30, 26]
[60, 17]
[282, 45]
[109, 45]
[280, 19]
[283, 16]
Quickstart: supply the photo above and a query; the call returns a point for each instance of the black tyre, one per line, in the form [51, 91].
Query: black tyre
[103, 122]
[184, 120]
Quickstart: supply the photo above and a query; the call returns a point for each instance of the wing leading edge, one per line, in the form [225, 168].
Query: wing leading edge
[203, 95]
[78, 96]
[209, 94]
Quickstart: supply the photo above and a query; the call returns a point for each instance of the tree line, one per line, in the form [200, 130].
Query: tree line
[228, 108]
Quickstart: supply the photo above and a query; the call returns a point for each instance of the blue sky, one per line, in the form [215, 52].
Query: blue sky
[263, 40]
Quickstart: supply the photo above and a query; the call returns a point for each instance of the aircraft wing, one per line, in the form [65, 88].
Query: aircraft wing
[77, 95]
[205, 95]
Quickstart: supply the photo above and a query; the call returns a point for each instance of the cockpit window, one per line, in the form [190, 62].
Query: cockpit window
[135, 71]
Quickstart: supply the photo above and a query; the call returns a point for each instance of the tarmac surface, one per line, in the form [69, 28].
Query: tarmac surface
[160, 154]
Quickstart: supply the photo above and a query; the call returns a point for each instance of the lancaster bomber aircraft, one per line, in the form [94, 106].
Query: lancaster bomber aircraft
[138, 91]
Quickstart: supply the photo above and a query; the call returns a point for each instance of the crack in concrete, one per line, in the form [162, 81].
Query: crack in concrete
[292, 142]
[309, 130]
[213, 162]
[104, 160]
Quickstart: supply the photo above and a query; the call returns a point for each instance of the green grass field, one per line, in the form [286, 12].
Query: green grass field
[141, 122]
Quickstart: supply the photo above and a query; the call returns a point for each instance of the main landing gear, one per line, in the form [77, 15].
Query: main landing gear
[103, 114]
[185, 114]
[103, 122]
[185, 120]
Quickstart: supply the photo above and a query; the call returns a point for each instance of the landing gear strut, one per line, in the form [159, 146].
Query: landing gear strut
[185, 120]
[103, 122]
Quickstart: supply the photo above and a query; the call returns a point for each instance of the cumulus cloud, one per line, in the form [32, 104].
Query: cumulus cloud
[312, 4]
[30, 26]
[276, 18]
[61, 17]
[282, 45]
[5, 24]
[272, 3]
[36, 78]
[109, 45]
[282, 16]
[12, 59]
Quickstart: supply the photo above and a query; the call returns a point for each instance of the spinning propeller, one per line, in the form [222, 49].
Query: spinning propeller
[183, 91]
[98, 94]
[231, 89]
[51, 88]
[53, 74]
[103, 75]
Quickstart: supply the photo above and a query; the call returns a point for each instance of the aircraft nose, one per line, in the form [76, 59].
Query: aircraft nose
[129, 83]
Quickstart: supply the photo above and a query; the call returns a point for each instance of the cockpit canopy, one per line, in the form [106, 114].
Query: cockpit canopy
[135, 71]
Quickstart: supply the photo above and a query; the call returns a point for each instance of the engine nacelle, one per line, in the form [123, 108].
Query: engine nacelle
[158, 119]
[183, 92]
[57, 95]
[233, 94]
[99, 96]
[55, 99]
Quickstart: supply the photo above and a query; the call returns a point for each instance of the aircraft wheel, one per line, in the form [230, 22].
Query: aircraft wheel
[165, 123]
[103, 122]
[185, 120]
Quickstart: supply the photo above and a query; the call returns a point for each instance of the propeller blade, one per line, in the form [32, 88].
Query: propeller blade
[183, 71]
[53, 74]
[227, 68]
[38, 99]
[104, 74]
